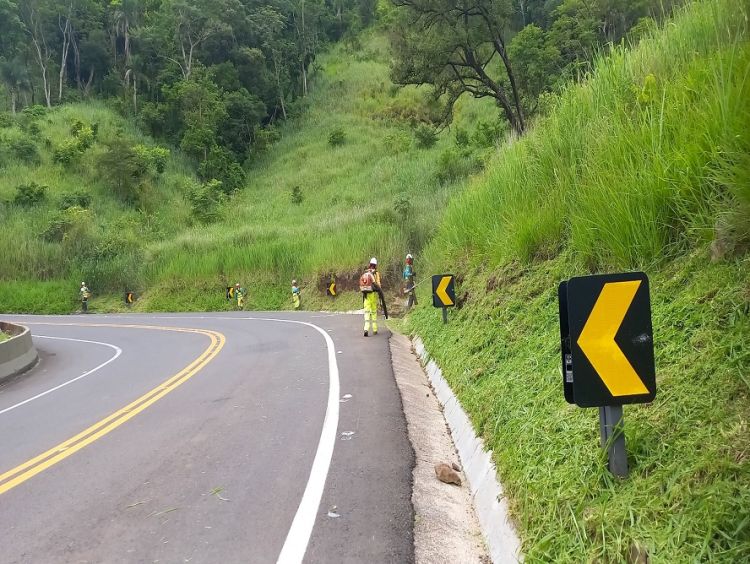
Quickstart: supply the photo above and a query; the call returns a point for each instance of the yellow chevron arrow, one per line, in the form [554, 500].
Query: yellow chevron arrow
[332, 288]
[597, 340]
[441, 293]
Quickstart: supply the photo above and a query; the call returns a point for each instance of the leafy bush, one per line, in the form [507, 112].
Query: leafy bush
[296, 196]
[425, 136]
[67, 152]
[453, 165]
[462, 138]
[6, 120]
[28, 195]
[402, 206]
[264, 137]
[206, 201]
[220, 165]
[24, 150]
[336, 137]
[84, 138]
[487, 133]
[74, 223]
[125, 170]
[76, 127]
[78, 198]
[155, 158]
[34, 112]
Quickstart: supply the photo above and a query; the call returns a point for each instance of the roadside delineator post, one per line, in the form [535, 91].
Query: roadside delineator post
[607, 351]
[444, 293]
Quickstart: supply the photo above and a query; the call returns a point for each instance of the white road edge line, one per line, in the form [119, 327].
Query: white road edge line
[118, 352]
[299, 533]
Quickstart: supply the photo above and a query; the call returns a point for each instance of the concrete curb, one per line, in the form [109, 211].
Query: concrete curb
[18, 353]
[480, 471]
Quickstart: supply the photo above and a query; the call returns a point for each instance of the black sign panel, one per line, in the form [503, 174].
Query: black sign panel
[607, 344]
[443, 290]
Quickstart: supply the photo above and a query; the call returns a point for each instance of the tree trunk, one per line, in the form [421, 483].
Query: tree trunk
[13, 101]
[64, 53]
[77, 63]
[521, 122]
[87, 86]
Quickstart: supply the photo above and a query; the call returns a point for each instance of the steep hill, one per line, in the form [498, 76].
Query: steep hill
[643, 166]
[355, 176]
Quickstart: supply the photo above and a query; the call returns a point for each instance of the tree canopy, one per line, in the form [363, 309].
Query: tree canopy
[206, 75]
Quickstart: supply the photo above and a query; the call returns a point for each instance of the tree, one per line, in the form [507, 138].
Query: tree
[37, 16]
[451, 44]
[200, 111]
[12, 70]
[536, 62]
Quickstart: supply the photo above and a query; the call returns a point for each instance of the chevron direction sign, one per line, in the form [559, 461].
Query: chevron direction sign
[607, 340]
[443, 290]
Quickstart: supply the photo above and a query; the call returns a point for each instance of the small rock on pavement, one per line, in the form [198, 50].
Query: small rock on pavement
[445, 473]
[455, 466]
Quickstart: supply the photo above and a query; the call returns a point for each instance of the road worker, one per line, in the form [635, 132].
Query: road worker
[295, 295]
[369, 285]
[410, 282]
[239, 294]
[85, 294]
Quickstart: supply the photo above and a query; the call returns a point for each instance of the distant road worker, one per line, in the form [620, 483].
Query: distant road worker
[295, 295]
[240, 293]
[85, 294]
[369, 285]
[410, 282]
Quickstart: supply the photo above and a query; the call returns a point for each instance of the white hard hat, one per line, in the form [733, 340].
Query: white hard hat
[83, 283]
[409, 256]
[374, 261]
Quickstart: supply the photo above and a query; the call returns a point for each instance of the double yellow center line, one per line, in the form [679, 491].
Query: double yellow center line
[31, 468]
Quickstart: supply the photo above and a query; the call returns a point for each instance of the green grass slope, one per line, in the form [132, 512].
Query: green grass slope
[48, 246]
[378, 191]
[645, 165]
[374, 194]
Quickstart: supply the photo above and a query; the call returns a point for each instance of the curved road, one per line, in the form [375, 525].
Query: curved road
[205, 438]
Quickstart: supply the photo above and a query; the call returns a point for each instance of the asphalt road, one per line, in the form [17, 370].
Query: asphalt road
[238, 438]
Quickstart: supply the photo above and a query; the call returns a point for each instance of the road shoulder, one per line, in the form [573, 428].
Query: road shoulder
[446, 528]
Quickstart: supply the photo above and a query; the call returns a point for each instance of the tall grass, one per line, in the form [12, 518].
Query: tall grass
[629, 167]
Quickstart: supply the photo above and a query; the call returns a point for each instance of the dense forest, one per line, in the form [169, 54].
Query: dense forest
[208, 76]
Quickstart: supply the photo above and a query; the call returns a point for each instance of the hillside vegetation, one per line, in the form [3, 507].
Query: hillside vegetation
[642, 166]
[355, 175]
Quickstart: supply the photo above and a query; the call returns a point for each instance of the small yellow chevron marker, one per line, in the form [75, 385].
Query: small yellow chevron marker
[597, 340]
[441, 291]
[332, 289]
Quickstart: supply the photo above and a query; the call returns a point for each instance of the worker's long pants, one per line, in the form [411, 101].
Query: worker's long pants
[371, 311]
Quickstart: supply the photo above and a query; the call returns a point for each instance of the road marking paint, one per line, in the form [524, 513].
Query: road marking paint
[298, 537]
[31, 468]
[118, 352]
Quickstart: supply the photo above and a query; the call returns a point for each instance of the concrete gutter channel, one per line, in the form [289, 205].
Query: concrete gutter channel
[450, 521]
[17, 354]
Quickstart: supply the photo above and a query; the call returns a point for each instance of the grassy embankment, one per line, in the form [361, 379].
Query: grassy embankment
[644, 166]
[375, 193]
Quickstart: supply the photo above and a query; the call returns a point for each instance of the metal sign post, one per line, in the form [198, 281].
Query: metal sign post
[607, 351]
[612, 431]
[445, 315]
